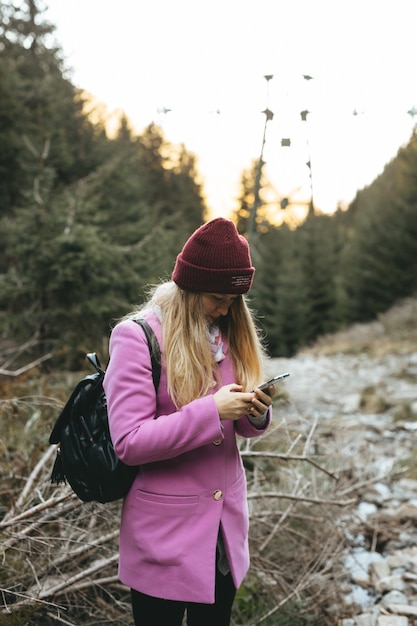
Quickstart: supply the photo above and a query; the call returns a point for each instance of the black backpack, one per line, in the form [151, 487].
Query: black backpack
[86, 457]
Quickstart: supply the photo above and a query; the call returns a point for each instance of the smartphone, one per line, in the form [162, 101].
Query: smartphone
[273, 380]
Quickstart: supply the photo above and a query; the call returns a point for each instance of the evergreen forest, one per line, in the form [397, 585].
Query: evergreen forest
[88, 220]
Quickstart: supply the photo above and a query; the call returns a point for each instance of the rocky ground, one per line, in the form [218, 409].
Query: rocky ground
[367, 404]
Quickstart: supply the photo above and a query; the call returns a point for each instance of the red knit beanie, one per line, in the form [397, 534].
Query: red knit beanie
[215, 259]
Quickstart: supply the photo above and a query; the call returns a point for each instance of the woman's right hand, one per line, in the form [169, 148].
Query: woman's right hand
[232, 403]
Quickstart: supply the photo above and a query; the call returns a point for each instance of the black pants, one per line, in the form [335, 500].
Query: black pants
[150, 611]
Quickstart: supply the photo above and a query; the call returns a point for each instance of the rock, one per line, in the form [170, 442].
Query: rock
[379, 572]
[394, 597]
[367, 619]
[351, 403]
[358, 566]
[365, 509]
[391, 583]
[397, 560]
[403, 609]
[391, 620]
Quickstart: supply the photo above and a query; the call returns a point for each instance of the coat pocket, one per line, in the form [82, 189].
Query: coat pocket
[163, 526]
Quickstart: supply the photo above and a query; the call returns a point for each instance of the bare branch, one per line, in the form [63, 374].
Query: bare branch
[52, 502]
[34, 475]
[289, 457]
[72, 580]
[287, 496]
[26, 368]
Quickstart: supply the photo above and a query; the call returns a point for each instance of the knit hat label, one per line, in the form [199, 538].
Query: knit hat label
[241, 281]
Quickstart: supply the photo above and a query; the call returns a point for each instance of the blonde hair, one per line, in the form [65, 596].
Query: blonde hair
[191, 369]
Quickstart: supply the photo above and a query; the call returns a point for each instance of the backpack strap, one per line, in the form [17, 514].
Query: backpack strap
[96, 379]
[154, 350]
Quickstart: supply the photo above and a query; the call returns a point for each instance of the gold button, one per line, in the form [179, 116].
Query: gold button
[218, 494]
[218, 442]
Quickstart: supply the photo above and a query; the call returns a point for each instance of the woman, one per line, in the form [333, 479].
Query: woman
[184, 526]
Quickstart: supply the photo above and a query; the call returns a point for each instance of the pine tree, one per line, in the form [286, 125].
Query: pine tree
[315, 243]
[380, 257]
[87, 221]
[280, 293]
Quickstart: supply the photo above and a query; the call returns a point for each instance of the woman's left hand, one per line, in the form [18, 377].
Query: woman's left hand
[262, 401]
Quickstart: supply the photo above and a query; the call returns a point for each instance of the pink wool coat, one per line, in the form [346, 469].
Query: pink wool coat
[191, 478]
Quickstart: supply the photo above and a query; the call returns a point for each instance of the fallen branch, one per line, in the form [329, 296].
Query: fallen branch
[15, 351]
[34, 475]
[35, 509]
[369, 481]
[27, 600]
[99, 582]
[277, 526]
[310, 437]
[287, 496]
[289, 457]
[59, 619]
[28, 531]
[64, 586]
[85, 549]
[26, 368]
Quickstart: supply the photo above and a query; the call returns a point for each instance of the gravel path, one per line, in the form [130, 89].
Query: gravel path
[366, 410]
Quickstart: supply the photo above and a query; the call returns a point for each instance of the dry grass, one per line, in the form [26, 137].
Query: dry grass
[394, 332]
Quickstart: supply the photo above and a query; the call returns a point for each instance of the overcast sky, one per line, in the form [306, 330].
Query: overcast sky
[206, 62]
